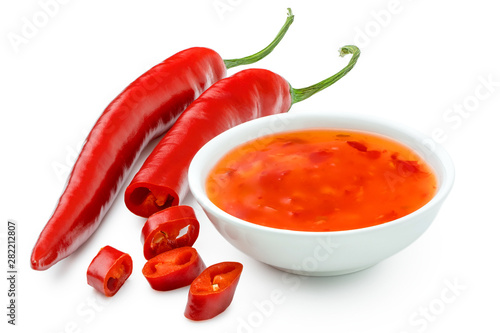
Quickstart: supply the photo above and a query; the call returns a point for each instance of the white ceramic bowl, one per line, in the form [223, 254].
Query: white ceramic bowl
[320, 253]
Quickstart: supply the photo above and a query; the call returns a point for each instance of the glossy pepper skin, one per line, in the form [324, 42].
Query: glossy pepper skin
[247, 95]
[168, 229]
[109, 270]
[213, 290]
[173, 269]
[142, 112]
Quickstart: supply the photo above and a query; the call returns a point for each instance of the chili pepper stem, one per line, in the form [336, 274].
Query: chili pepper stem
[304, 93]
[230, 63]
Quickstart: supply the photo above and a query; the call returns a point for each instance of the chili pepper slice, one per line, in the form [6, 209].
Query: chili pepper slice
[142, 112]
[246, 95]
[212, 292]
[168, 229]
[173, 269]
[109, 270]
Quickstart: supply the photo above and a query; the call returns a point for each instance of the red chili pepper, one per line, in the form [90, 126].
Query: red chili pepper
[212, 292]
[143, 111]
[162, 231]
[357, 145]
[109, 270]
[247, 95]
[173, 269]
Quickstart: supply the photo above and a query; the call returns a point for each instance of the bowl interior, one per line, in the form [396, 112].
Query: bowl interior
[208, 155]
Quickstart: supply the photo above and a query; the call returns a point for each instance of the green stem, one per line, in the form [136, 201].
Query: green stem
[230, 63]
[304, 93]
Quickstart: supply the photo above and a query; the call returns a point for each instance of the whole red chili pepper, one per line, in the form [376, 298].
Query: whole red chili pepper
[143, 111]
[173, 269]
[212, 292]
[168, 229]
[247, 95]
[109, 270]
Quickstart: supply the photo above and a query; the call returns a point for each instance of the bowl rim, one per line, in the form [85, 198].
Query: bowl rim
[196, 184]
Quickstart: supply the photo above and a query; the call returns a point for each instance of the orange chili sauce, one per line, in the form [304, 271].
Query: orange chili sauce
[321, 180]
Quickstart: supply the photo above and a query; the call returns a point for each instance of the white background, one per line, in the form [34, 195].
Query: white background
[424, 63]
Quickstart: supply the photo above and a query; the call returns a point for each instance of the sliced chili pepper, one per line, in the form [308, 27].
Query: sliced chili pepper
[372, 154]
[357, 145]
[168, 229]
[407, 168]
[212, 292]
[142, 112]
[173, 269]
[109, 270]
[247, 95]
